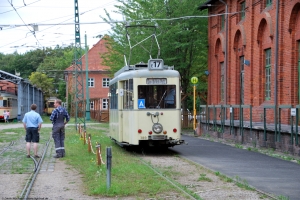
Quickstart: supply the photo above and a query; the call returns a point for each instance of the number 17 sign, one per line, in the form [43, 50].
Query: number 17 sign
[155, 64]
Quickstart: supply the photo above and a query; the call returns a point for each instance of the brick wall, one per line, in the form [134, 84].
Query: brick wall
[250, 37]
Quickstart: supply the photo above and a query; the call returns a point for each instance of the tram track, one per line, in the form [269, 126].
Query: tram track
[29, 184]
[171, 181]
[166, 166]
[7, 147]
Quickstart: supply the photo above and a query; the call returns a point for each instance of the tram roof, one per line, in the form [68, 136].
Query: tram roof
[146, 73]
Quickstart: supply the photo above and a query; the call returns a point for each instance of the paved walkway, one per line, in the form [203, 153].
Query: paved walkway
[271, 175]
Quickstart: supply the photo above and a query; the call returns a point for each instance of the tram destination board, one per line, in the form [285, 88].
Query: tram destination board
[156, 81]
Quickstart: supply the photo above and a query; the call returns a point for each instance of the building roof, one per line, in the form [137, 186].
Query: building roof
[94, 58]
[206, 4]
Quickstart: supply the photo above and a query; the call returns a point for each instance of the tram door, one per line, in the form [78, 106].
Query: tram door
[127, 113]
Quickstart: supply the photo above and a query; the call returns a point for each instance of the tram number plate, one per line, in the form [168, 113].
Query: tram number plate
[155, 64]
[156, 81]
[144, 137]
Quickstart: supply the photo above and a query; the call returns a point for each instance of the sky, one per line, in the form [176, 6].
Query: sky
[16, 19]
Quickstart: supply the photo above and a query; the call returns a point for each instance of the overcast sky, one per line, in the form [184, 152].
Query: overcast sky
[52, 12]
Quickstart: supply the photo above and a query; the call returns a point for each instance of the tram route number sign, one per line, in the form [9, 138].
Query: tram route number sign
[155, 64]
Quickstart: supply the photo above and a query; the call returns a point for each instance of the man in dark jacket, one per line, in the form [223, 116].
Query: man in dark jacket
[59, 118]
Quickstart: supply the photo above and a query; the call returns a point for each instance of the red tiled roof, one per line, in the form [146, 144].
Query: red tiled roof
[94, 57]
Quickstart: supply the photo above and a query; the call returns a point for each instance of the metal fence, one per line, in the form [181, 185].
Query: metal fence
[233, 116]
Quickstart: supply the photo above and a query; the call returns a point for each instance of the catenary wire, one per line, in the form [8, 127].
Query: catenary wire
[19, 7]
[25, 23]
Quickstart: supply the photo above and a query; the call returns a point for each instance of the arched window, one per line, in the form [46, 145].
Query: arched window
[268, 74]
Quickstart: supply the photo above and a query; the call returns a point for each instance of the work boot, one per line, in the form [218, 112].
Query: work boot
[57, 156]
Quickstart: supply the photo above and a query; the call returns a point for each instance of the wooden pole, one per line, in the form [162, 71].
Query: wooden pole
[84, 137]
[98, 154]
[89, 144]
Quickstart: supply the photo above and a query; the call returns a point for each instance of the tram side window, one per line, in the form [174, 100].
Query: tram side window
[15, 102]
[157, 96]
[3, 103]
[113, 96]
[128, 94]
[9, 102]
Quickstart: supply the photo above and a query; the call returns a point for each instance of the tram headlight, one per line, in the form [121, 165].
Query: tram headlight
[157, 128]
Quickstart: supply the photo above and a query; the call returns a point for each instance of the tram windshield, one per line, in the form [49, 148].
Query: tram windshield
[50, 104]
[157, 96]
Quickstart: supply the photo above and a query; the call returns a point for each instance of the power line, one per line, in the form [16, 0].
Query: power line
[19, 7]
[126, 22]
[33, 32]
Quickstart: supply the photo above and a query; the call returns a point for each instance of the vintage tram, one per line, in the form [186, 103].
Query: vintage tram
[8, 102]
[145, 105]
[49, 107]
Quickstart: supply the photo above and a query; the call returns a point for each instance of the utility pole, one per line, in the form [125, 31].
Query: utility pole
[87, 94]
[79, 96]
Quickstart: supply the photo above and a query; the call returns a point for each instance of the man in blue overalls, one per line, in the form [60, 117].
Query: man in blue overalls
[58, 116]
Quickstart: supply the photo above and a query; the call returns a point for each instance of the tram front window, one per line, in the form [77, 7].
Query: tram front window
[157, 96]
[51, 105]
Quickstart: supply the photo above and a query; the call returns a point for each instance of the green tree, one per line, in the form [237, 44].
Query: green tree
[183, 42]
[43, 82]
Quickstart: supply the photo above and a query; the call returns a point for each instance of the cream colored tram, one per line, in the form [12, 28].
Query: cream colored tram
[8, 102]
[145, 105]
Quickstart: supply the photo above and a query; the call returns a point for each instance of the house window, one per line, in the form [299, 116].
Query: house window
[105, 82]
[268, 3]
[104, 104]
[222, 21]
[222, 86]
[91, 82]
[92, 105]
[242, 10]
[268, 74]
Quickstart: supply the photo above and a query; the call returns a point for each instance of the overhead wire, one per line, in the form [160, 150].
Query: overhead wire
[19, 7]
[53, 25]
[120, 21]
[33, 32]
[140, 20]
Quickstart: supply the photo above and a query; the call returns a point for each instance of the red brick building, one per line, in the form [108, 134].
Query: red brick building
[252, 59]
[98, 76]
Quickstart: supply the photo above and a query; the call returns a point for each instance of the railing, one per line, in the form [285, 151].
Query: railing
[218, 116]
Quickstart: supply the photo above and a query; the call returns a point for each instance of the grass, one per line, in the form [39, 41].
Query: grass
[223, 177]
[204, 178]
[281, 197]
[238, 181]
[14, 159]
[129, 176]
[238, 146]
